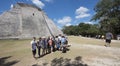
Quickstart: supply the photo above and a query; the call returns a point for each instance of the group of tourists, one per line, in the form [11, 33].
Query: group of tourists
[48, 45]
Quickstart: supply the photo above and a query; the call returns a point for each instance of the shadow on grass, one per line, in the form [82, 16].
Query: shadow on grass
[4, 63]
[65, 62]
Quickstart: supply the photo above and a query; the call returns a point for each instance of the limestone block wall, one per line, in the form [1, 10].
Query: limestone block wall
[26, 21]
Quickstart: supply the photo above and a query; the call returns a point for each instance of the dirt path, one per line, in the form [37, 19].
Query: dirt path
[92, 55]
[100, 55]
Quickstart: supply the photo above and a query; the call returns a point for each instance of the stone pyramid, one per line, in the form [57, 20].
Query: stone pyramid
[26, 21]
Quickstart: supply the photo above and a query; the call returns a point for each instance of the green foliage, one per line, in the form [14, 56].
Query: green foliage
[71, 30]
[82, 29]
[108, 15]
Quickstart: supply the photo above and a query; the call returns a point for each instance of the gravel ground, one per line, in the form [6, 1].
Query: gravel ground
[106, 56]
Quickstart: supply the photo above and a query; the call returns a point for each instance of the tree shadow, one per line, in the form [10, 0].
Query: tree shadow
[36, 65]
[44, 64]
[66, 62]
[4, 63]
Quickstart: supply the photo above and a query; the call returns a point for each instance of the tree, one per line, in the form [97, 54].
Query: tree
[82, 29]
[71, 30]
[108, 15]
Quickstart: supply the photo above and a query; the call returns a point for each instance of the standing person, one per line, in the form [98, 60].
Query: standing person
[109, 36]
[50, 42]
[63, 45]
[44, 45]
[39, 45]
[57, 43]
[48, 46]
[59, 40]
[53, 45]
[66, 40]
[34, 45]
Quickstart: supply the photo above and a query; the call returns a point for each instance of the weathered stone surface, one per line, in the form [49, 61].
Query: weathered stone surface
[26, 21]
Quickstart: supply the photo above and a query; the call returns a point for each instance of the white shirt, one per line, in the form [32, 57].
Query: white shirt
[33, 43]
[59, 37]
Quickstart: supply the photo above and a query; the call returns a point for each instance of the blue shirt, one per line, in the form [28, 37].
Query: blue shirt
[63, 40]
[109, 35]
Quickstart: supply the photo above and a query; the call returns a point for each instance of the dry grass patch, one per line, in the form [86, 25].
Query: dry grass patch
[88, 49]
[92, 41]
